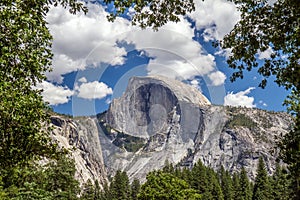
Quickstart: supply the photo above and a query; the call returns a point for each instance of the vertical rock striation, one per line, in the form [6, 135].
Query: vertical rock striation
[81, 137]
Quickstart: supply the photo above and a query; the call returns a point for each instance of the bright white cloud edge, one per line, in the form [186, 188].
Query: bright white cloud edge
[53, 94]
[240, 99]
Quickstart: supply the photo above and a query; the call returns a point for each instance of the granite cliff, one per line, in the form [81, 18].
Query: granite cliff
[80, 136]
[166, 119]
[158, 119]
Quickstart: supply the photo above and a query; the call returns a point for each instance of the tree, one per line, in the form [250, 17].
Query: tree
[264, 26]
[215, 191]
[25, 56]
[199, 180]
[245, 192]
[157, 13]
[164, 186]
[275, 29]
[280, 184]
[135, 189]
[226, 184]
[236, 185]
[261, 184]
[119, 186]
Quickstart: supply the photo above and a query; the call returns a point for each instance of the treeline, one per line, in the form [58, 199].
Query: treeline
[200, 182]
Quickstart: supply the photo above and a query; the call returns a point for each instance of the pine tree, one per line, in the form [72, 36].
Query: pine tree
[135, 189]
[226, 184]
[280, 184]
[97, 190]
[236, 186]
[245, 192]
[215, 191]
[119, 187]
[199, 180]
[261, 189]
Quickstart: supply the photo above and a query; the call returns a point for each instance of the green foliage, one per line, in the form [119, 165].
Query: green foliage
[160, 185]
[55, 180]
[88, 192]
[119, 186]
[261, 189]
[245, 190]
[280, 184]
[135, 189]
[239, 119]
[157, 13]
[236, 185]
[25, 56]
[130, 143]
[264, 26]
[226, 184]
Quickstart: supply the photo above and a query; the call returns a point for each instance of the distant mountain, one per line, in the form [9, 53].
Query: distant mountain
[158, 120]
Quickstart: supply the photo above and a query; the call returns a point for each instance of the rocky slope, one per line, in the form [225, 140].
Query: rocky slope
[80, 136]
[158, 119]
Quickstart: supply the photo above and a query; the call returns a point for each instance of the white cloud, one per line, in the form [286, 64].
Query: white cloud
[175, 54]
[217, 78]
[240, 99]
[81, 40]
[217, 18]
[93, 90]
[196, 84]
[82, 80]
[55, 94]
[265, 54]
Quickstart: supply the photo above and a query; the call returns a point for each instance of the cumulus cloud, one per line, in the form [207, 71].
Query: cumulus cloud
[55, 95]
[173, 51]
[217, 78]
[240, 99]
[216, 17]
[87, 40]
[93, 90]
[84, 40]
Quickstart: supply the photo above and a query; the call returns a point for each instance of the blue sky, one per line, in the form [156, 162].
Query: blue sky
[94, 58]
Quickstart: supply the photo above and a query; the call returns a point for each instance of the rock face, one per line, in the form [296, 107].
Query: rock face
[81, 137]
[158, 119]
[153, 105]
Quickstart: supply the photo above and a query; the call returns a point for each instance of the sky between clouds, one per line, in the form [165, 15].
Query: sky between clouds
[89, 43]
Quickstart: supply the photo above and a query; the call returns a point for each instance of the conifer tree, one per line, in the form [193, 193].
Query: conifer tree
[261, 189]
[245, 192]
[135, 189]
[119, 187]
[199, 179]
[236, 185]
[226, 184]
[280, 184]
[215, 191]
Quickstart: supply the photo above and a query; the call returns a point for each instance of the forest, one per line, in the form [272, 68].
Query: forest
[199, 182]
